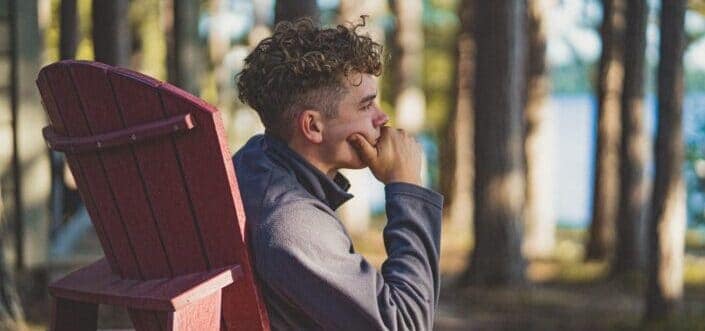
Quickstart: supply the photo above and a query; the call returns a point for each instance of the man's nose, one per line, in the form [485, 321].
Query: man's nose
[380, 120]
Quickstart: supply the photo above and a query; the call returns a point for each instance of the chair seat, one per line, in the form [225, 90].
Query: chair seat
[96, 283]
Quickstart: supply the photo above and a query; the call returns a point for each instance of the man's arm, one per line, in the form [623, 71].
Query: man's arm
[308, 261]
[412, 240]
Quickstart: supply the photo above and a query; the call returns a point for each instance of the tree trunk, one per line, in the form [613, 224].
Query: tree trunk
[68, 41]
[540, 223]
[31, 166]
[15, 97]
[148, 22]
[609, 92]
[409, 99]
[667, 219]
[628, 254]
[290, 10]
[184, 51]
[499, 183]
[457, 148]
[111, 32]
[68, 29]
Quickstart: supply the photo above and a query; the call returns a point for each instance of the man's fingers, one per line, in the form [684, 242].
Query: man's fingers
[366, 151]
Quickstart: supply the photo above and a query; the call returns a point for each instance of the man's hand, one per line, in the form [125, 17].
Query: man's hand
[396, 158]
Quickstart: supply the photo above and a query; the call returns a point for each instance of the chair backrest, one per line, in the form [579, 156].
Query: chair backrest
[154, 171]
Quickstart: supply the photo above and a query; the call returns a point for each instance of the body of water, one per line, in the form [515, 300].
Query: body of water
[573, 126]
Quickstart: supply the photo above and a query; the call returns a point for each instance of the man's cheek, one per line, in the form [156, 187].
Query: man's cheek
[369, 136]
[364, 127]
[354, 157]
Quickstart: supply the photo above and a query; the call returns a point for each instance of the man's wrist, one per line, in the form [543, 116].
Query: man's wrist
[398, 188]
[407, 180]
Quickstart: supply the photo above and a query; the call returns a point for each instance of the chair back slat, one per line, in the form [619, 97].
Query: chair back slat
[63, 106]
[210, 175]
[162, 207]
[162, 177]
[102, 112]
[76, 166]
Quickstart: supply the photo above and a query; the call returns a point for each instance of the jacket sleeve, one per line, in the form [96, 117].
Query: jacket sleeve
[306, 257]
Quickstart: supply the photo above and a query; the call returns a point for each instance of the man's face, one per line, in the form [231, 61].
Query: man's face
[358, 112]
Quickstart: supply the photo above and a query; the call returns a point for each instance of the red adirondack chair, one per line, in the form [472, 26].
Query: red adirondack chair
[154, 171]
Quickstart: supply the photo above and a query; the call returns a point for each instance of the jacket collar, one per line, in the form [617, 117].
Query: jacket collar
[332, 192]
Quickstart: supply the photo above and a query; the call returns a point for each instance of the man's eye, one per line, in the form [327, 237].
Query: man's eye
[367, 107]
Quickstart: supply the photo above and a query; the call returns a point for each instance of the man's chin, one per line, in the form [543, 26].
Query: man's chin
[357, 164]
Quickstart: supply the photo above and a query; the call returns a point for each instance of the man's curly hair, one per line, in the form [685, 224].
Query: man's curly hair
[302, 66]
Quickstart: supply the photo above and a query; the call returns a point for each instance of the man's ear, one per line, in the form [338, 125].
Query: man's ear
[310, 123]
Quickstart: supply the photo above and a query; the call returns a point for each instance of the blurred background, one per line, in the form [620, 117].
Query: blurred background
[568, 137]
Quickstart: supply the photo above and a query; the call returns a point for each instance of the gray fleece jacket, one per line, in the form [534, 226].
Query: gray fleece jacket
[310, 275]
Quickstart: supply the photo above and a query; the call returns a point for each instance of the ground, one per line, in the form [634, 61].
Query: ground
[561, 293]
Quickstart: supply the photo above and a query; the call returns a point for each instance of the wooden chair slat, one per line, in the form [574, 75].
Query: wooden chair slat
[219, 210]
[96, 192]
[164, 182]
[252, 292]
[99, 108]
[57, 124]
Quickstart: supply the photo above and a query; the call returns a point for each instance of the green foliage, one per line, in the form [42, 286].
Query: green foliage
[580, 78]
[438, 85]
[694, 171]
[695, 81]
[84, 50]
[440, 31]
[148, 36]
[51, 34]
[573, 78]
[697, 5]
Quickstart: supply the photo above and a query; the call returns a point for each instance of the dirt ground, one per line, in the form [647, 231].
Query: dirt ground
[600, 305]
[561, 293]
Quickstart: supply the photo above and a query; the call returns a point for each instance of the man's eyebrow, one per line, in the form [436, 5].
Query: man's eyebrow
[368, 98]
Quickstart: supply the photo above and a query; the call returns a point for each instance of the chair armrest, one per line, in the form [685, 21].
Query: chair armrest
[97, 284]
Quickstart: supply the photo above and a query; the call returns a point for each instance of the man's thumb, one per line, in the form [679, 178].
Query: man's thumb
[364, 149]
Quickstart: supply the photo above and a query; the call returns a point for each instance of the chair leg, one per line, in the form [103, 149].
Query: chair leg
[69, 315]
[200, 315]
[147, 320]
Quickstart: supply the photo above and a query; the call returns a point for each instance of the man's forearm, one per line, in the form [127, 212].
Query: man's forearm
[412, 240]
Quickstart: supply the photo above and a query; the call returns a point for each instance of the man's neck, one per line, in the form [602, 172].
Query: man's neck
[311, 155]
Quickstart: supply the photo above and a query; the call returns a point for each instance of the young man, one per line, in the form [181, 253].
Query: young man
[314, 90]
